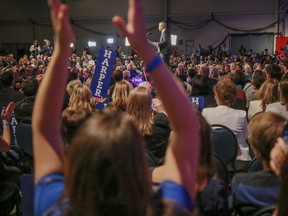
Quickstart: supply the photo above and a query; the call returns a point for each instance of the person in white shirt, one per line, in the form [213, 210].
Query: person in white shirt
[281, 107]
[267, 94]
[225, 96]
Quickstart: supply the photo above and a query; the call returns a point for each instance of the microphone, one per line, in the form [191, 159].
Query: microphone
[148, 33]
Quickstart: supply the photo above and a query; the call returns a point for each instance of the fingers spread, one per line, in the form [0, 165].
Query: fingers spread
[10, 107]
[120, 24]
[54, 6]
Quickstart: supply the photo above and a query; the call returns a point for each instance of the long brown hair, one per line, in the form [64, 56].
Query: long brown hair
[268, 93]
[139, 109]
[206, 165]
[284, 92]
[120, 95]
[107, 169]
[81, 97]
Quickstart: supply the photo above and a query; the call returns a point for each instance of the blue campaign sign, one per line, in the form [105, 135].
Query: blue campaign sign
[198, 102]
[13, 125]
[103, 72]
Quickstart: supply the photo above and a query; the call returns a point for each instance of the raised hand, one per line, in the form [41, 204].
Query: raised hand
[278, 156]
[6, 112]
[135, 29]
[61, 23]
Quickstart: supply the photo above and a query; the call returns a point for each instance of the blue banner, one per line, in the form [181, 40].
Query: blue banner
[198, 102]
[13, 125]
[102, 74]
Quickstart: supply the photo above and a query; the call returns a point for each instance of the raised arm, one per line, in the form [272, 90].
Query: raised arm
[5, 140]
[48, 145]
[278, 155]
[183, 152]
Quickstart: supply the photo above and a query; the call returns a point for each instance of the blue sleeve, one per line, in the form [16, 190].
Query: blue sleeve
[47, 191]
[177, 193]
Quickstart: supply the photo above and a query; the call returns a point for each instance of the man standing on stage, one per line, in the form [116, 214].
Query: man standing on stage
[164, 45]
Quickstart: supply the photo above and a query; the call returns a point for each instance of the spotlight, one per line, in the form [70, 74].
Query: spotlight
[127, 42]
[110, 40]
[92, 43]
[173, 40]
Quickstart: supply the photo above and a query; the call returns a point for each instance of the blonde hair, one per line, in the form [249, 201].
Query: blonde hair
[120, 95]
[283, 92]
[268, 93]
[71, 85]
[139, 109]
[81, 97]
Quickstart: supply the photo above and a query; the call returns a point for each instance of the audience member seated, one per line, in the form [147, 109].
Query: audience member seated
[117, 76]
[260, 188]
[180, 72]
[248, 71]
[155, 129]
[281, 107]
[274, 72]
[258, 78]
[71, 121]
[131, 67]
[120, 97]
[212, 195]
[71, 85]
[81, 97]
[24, 108]
[267, 94]
[239, 80]
[191, 73]
[126, 77]
[201, 87]
[7, 92]
[225, 96]
[204, 70]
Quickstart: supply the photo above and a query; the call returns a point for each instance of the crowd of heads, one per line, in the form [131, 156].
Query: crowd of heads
[111, 142]
[213, 65]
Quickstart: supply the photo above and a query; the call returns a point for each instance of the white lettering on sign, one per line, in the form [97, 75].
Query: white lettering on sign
[103, 72]
[195, 100]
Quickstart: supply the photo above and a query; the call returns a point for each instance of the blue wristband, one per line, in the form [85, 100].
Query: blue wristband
[6, 125]
[154, 64]
[177, 193]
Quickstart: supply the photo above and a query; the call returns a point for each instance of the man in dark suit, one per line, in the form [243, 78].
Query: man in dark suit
[204, 70]
[164, 44]
[23, 109]
[7, 91]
